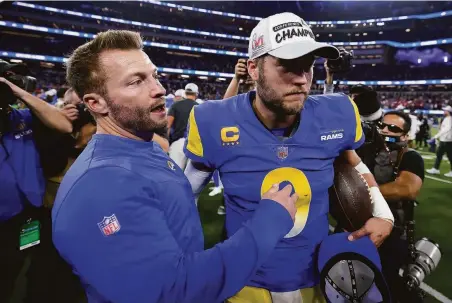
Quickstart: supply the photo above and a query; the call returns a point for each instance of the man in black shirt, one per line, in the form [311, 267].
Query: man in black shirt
[399, 172]
[177, 124]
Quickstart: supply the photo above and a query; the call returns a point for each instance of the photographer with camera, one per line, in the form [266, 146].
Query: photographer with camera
[22, 181]
[399, 172]
[342, 64]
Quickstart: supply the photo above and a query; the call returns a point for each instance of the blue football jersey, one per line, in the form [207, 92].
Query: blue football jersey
[226, 135]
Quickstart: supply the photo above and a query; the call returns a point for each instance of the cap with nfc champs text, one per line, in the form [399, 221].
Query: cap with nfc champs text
[287, 36]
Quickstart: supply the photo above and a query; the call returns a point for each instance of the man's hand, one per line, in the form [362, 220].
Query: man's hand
[329, 74]
[18, 92]
[376, 228]
[240, 69]
[70, 111]
[283, 197]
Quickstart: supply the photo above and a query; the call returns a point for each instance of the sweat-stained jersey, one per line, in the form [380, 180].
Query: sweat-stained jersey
[226, 135]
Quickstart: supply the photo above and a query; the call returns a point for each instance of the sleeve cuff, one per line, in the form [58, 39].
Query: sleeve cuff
[269, 224]
[195, 158]
[358, 144]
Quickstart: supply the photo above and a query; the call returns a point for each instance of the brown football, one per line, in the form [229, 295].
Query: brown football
[350, 200]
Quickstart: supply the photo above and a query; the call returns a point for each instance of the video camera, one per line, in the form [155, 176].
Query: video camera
[18, 75]
[342, 64]
[423, 259]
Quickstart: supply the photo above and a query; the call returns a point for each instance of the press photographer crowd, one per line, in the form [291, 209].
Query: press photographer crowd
[105, 162]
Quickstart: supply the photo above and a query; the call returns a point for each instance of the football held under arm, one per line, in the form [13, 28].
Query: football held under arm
[379, 204]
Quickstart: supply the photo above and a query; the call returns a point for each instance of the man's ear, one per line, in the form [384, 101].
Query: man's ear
[253, 69]
[96, 103]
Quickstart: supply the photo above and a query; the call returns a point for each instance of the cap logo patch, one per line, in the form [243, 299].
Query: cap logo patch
[258, 42]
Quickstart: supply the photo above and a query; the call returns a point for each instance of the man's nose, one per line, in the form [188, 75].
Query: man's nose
[300, 79]
[157, 90]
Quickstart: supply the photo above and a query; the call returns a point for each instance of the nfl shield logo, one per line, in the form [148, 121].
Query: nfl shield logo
[282, 152]
[109, 225]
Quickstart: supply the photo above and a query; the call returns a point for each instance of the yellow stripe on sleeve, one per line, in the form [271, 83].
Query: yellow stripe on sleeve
[359, 129]
[194, 144]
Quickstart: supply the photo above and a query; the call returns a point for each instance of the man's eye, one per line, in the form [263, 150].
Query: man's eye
[136, 82]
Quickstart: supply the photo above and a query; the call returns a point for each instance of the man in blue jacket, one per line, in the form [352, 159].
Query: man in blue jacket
[124, 216]
[21, 177]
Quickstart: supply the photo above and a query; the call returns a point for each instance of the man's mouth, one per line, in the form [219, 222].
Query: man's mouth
[158, 108]
[296, 93]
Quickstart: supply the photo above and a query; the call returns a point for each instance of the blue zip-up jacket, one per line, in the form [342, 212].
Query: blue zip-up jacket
[126, 220]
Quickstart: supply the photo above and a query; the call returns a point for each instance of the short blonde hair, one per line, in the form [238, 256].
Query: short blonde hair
[84, 71]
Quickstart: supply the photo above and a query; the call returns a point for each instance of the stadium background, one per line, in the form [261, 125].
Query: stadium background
[402, 49]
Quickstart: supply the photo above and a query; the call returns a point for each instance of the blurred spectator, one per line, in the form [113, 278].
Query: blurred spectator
[177, 124]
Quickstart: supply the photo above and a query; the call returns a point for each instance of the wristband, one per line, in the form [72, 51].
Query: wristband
[380, 206]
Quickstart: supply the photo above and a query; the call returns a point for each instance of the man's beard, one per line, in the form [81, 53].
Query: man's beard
[272, 99]
[135, 120]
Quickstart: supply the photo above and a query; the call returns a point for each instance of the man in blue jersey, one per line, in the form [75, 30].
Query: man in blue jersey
[124, 216]
[279, 134]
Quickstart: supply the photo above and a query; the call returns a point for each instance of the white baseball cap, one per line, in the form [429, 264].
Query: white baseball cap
[287, 36]
[191, 88]
[51, 92]
[170, 96]
[448, 108]
[180, 93]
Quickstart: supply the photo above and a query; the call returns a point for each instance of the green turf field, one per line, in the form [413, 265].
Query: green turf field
[433, 220]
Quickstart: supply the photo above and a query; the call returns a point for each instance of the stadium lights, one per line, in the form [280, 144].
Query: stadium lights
[185, 76]
[233, 15]
[373, 64]
[226, 14]
[364, 34]
[15, 60]
[419, 61]
[203, 77]
[446, 59]
[240, 28]
[331, 35]
[28, 27]
[223, 76]
[381, 33]
[408, 30]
